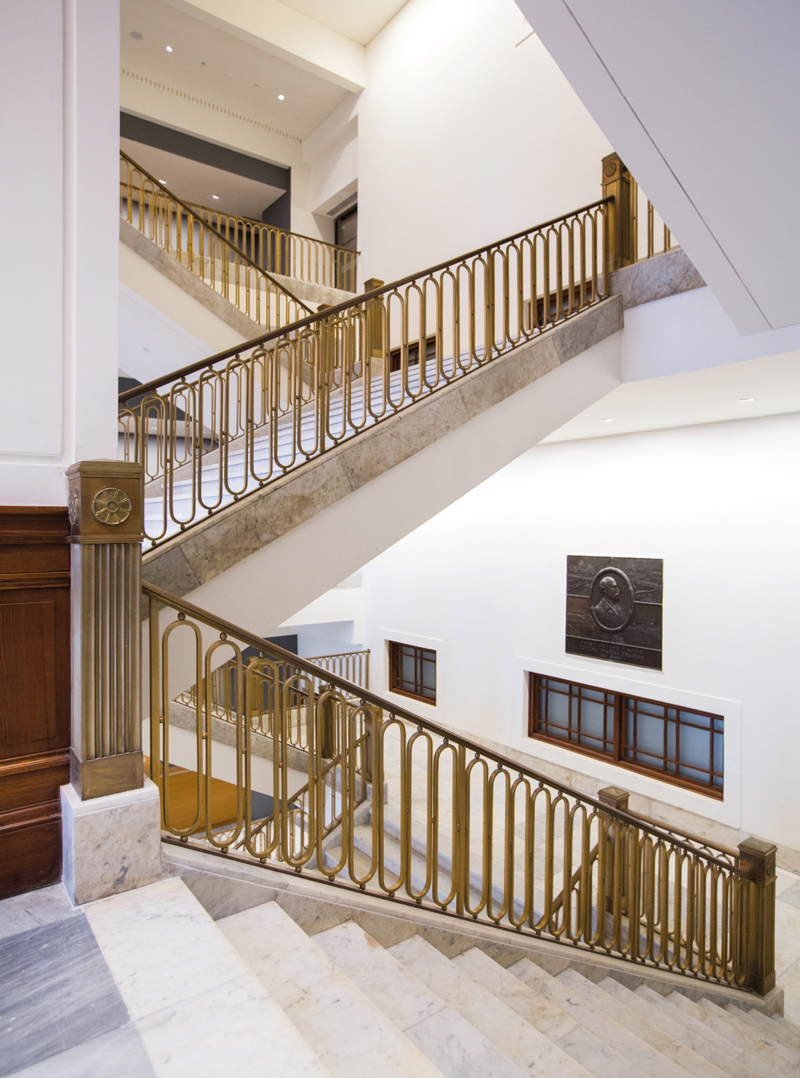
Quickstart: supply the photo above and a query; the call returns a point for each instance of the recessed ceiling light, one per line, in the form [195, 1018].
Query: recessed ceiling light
[606, 420]
[169, 48]
[136, 35]
[215, 196]
[745, 400]
[162, 181]
[281, 97]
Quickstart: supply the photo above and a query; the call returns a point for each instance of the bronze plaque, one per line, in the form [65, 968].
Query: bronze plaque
[614, 609]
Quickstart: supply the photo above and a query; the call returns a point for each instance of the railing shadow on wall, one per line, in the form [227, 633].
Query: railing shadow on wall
[400, 807]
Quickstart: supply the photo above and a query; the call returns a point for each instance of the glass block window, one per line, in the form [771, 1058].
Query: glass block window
[677, 744]
[412, 671]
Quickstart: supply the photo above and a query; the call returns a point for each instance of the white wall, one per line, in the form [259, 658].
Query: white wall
[484, 584]
[465, 137]
[59, 124]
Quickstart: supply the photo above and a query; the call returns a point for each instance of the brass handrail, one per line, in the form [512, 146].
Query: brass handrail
[288, 253]
[307, 666]
[478, 835]
[258, 411]
[202, 261]
[345, 305]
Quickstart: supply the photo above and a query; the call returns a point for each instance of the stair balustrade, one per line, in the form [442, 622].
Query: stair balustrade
[288, 254]
[188, 234]
[220, 430]
[408, 810]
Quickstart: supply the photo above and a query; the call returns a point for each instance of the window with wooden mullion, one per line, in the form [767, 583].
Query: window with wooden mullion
[679, 745]
[412, 671]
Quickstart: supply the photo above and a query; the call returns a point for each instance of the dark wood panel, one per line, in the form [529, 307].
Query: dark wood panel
[34, 693]
[28, 684]
[34, 671]
[32, 780]
[30, 848]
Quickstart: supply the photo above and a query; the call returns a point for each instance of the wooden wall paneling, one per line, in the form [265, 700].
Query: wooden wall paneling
[34, 693]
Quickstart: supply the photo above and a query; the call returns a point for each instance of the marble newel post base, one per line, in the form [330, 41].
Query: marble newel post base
[111, 844]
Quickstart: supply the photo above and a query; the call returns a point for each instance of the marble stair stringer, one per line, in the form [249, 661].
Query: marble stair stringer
[338, 511]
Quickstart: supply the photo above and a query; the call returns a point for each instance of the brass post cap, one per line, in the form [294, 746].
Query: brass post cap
[106, 501]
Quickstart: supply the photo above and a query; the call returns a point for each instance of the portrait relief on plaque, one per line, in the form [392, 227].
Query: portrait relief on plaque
[614, 609]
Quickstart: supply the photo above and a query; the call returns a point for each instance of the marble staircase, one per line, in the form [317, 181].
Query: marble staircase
[365, 1009]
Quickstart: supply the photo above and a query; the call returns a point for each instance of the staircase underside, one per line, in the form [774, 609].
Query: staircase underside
[217, 545]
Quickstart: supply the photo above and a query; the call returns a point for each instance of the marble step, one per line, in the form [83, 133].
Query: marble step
[587, 1052]
[775, 1026]
[672, 1027]
[726, 1057]
[352, 1037]
[449, 1041]
[528, 1048]
[181, 979]
[645, 1026]
[750, 1039]
[638, 1056]
[753, 1053]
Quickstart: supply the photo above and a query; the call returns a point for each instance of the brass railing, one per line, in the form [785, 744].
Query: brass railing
[221, 429]
[289, 254]
[352, 666]
[259, 689]
[398, 806]
[204, 250]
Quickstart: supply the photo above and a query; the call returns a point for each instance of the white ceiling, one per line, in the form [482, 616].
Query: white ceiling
[193, 181]
[700, 99]
[222, 69]
[360, 20]
[681, 400]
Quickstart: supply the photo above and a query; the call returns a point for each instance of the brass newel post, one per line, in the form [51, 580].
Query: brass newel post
[106, 510]
[757, 861]
[617, 184]
[617, 798]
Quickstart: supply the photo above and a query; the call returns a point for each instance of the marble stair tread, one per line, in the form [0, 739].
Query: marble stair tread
[524, 1045]
[353, 1037]
[633, 1054]
[178, 975]
[725, 1056]
[451, 1043]
[754, 1051]
[775, 1025]
[586, 1052]
[671, 1026]
[645, 1026]
[750, 1037]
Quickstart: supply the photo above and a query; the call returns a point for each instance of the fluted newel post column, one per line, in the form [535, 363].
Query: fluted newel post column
[106, 501]
[621, 238]
[757, 861]
[110, 811]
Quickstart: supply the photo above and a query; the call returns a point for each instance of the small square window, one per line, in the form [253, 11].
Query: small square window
[412, 672]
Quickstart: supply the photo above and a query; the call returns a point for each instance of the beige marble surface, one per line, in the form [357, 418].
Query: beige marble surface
[199, 1010]
[110, 844]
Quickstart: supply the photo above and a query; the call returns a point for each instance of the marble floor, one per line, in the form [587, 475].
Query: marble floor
[144, 985]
